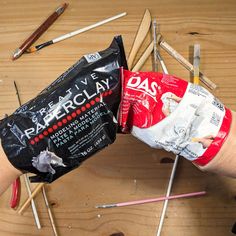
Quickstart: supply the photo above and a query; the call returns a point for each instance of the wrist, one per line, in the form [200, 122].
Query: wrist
[8, 173]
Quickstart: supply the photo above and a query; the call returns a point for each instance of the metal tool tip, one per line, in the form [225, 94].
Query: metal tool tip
[106, 206]
[16, 54]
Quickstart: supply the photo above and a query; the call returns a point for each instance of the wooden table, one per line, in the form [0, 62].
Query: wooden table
[128, 169]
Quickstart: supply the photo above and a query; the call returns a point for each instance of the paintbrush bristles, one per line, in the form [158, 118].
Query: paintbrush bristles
[39, 31]
[196, 63]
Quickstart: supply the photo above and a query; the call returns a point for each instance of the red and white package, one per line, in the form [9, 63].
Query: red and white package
[167, 112]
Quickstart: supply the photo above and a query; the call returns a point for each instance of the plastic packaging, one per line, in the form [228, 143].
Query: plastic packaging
[70, 120]
[167, 112]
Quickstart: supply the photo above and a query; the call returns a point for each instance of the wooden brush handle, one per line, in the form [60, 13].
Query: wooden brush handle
[140, 36]
[144, 57]
[43, 27]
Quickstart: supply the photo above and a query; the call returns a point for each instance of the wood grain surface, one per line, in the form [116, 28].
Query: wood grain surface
[128, 169]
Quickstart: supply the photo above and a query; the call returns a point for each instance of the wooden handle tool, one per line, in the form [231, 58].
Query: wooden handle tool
[185, 63]
[140, 36]
[144, 57]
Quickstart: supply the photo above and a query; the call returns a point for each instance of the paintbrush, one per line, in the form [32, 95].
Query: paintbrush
[138, 202]
[39, 31]
[196, 63]
[164, 45]
[71, 34]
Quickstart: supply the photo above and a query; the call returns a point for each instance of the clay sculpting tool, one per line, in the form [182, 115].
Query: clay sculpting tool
[145, 55]
[139, 202]
[76, 32]
[39, 31]
[185, 63]
[140, 36]
[143, 58]
[155, 51]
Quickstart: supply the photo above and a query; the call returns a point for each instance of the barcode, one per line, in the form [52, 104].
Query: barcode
[92, 57]
[215, 119]
[218, 104]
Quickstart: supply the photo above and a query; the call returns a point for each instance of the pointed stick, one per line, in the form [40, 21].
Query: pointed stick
[26, 178]
[49, 212]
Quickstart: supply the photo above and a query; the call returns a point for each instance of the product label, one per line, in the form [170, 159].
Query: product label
[70, 120]
[92, 57]
[166, 112]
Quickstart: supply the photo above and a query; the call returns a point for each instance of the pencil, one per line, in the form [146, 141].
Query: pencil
[76, 32]
[39, 31]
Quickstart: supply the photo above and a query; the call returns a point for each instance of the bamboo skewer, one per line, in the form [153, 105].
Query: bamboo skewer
[49, 212]
[140, 36]
[26, 178]
[34, 193]
[170, 184]
[31, 195]
[36, 217]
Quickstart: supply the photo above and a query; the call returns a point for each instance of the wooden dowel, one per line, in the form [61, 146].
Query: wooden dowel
[35, 213]
[49, 212]
[34, 193]
[144, 57]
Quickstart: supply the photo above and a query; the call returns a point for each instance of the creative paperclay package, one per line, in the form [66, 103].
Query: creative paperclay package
[167, 112]
[68, 121]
